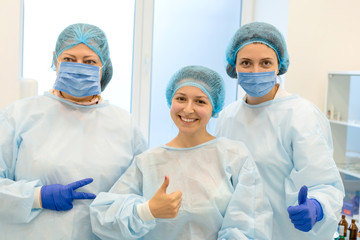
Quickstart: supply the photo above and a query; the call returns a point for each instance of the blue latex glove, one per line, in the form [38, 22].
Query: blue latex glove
[307, 213]
[60, 197]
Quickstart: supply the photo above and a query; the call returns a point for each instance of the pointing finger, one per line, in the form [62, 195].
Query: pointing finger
[83, 195]
[80, 183]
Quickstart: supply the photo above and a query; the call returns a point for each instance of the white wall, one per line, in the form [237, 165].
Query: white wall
[9, 51]
[274, 12]
[323, 36]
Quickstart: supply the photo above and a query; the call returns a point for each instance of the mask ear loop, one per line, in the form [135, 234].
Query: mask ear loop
[280, 80]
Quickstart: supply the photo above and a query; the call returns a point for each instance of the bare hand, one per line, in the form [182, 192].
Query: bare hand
[163, 205]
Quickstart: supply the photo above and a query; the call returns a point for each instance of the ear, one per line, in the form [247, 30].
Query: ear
[54, 58]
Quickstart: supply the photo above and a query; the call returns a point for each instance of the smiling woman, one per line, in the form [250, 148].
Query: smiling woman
[190, 111]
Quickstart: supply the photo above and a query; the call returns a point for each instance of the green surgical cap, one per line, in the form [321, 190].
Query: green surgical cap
[91, 36]
[257, 32]
[209, 81]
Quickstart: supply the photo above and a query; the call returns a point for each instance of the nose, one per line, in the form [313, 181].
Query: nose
[256, 69]
[188, 108]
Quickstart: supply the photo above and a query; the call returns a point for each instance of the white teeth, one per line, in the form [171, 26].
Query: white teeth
[187, 120]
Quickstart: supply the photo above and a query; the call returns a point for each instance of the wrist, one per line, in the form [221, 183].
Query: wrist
[37, 198]
[144, 212]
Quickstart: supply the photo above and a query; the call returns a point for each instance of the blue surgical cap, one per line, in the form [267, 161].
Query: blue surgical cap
[257, 32]
[91, 36]
[209, 81]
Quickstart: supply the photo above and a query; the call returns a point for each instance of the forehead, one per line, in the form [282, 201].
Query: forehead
[191, 91]
[256, 50]
[80, 49]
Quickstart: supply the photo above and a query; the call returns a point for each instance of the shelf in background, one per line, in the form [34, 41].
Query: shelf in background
[352, 169]
[351, 124]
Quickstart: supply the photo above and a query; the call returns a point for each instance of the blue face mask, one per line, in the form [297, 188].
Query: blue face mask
[257, 84]
[78, 79]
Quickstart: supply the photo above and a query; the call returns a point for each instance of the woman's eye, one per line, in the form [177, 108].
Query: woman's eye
[67, 59]
[180, 98]
[245, 63]
[267, 63]
[91, 62]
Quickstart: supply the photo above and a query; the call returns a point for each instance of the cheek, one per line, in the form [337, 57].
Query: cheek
[239, 68]
[57, 67]
[205, 113]
[175, 108]
[277, 69]
[101, 73]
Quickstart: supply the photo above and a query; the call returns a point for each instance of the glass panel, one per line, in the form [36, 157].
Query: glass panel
[354, 100]
[188, 32]
[43, 22]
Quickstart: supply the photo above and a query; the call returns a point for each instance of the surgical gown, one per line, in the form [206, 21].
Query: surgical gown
[221, 189]
[290, 140]
[48, 140]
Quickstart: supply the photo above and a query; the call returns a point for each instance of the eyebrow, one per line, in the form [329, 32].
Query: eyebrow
[69, 54]
[250, 59]
[88, 56]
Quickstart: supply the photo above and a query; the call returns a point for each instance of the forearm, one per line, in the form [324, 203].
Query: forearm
[116, 214]
[17, 201]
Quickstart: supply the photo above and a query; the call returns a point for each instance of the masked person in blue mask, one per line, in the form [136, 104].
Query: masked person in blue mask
[288, 136]
[59, 150]
[194, 187]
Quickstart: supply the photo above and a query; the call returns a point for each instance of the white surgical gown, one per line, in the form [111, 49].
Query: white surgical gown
[221, 189]
[47, 140]
[290, 140]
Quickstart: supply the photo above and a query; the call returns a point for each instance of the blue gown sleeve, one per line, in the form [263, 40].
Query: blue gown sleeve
[16, 197]
[249, 214]
[314, 166]
[114, 214]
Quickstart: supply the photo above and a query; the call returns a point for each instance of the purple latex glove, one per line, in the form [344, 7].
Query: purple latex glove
[60, 197]
[307, 213]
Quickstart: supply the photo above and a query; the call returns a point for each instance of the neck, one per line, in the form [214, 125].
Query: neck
[257, 100]
[183, 140]
[89, 100]
[77, 99]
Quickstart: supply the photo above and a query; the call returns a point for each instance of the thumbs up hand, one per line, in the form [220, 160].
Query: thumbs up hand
[163, 205]
[307, 213]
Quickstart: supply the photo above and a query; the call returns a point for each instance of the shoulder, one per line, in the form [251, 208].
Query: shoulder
[303, 104]
[232, 147]
[306, 110]
[226, 143]
[25, 105]
[231, 110]
[118, 111]
[151, 156]
[235, 155]
[305, 119]
[234, 105]
[293, 109]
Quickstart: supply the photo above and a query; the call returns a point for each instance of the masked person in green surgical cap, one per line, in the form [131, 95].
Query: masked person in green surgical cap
[59, 150]
[288, 136]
